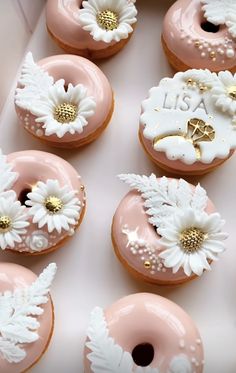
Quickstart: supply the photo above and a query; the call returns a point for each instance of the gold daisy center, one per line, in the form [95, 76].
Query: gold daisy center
[65, 113]
[5, 224]
[108, 20]
[191, 239]
[232, 92]
[53, 204]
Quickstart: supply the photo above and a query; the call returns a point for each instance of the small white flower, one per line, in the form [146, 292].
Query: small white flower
[224, 92]
[64, 111]
[180, 364]
[54, 206]
[191, 238]
[108, 20]
[38, 241]
[13, 221]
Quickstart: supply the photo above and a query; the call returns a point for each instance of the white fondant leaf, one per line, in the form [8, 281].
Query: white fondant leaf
[205, 77]
[164, 197]
[17, 324]
[105, 355]
[7, 176]
[34, 84]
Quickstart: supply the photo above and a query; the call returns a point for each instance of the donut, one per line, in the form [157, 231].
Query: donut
[63, 100]
[94, 28]
[143, 333]
[166, 231]
[187, 125]
[27, 324]
[201, 34]
[42, 202]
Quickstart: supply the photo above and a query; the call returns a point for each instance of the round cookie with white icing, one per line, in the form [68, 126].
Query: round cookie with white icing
[188, 122]
[42, 202]
[92, 28]
[143, 333]
[201, 34]
[64, 100]
[27, 317]
[166, 231]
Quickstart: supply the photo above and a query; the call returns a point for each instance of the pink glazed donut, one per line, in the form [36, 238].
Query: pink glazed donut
[166, 231]
[64, 100]
[42, 202]
[24, 344]
[201, 34]
[94, 28]
[143, 330]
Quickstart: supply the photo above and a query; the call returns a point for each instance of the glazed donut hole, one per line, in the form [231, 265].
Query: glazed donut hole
[210, 27]
[23, 196]
[143, 354]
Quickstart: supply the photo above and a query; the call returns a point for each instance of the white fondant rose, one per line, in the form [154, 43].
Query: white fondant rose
[38, 241]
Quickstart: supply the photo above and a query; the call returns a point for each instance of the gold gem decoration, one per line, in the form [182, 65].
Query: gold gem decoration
[191, 240]
[53, 204]
[107, 20]
[232, 92]
[65, 113]
[5, 224]
[147, 264]
[199, 130]
[212, 54]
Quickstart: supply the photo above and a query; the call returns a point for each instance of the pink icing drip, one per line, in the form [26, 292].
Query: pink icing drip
[34, 166]
[75, 70]
[62, 17]
[182, 27]
[131, 212]
[13, 276]
[148, 318]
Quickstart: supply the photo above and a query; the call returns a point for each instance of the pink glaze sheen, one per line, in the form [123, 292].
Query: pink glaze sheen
[75, 70]
[131, 212]
[182, 28]
[177, 166]
[12, 277]
[148, 318]
[34, 166]
[62, 17]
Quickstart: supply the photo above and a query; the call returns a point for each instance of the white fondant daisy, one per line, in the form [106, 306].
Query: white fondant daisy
[54, 206]
[64, 111]
[224, 92]
[13, 221]
[108, 20]
[191, 238]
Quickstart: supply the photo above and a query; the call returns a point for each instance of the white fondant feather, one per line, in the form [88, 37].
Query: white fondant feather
[7, 176]
[34, 84]
[18, 311]
[163, 197]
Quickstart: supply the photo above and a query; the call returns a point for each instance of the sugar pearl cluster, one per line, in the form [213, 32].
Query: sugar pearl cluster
[148, 255]
[35, 129]
[215, 50]
[193, 349]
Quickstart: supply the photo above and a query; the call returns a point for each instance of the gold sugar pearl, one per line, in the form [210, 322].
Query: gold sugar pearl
[212, 54]
[65, 113]
[107, 20]
[232, 92]
[147, 264]
[53, 204]
[5, 223]
[191, 239]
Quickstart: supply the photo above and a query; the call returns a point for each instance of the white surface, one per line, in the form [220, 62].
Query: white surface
[21, 16]
[89, 273]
